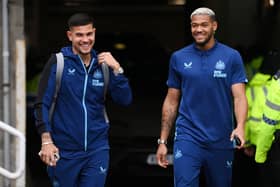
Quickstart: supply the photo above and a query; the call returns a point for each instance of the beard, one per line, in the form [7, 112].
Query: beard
[205, 41]
[82, 52]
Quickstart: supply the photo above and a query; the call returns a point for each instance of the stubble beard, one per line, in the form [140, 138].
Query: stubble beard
[203, 43]
[84, 52]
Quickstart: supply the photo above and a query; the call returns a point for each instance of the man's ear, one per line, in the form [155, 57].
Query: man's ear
[69, 35]
[215, 26]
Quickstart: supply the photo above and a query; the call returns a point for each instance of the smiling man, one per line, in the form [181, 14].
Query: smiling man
[206, 86]
[78, 130]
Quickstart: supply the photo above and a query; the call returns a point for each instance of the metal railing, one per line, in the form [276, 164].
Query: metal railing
[21, 153]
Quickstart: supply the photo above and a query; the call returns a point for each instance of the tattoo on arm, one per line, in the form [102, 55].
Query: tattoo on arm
[168, 119]
[169, 113]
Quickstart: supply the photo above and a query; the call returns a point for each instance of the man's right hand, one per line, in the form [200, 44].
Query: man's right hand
[48, 154]
[48, 150]
[161, 156]
[250, 151]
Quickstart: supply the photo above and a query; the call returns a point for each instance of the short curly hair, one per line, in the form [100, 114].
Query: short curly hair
[204, 11]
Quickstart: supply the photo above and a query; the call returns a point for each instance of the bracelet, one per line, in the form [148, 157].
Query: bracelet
[47, 143]
[160, 141]
[118, 71]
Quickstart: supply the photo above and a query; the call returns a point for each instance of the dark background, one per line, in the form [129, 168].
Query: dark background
[141, 34]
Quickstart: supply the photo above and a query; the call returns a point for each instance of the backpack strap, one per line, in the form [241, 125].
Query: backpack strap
[59, 71]
[106, 75]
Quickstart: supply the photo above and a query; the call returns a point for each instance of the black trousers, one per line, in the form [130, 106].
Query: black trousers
[269, 172]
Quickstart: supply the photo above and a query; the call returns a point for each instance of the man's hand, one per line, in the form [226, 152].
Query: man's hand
[250, 151]
[106, 57]
[238, 133]
[161, 155]
[49, 153]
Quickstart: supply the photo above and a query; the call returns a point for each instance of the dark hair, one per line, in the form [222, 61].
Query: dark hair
[271, 62]
[80, 19]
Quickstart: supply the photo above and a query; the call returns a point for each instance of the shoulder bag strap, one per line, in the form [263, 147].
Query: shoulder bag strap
[59, 71]
[106, 75]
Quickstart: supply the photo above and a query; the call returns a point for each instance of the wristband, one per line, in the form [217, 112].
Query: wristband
[47, 143]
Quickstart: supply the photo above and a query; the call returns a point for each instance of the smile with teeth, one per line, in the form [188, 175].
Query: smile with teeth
[199, 36]
[85, 46]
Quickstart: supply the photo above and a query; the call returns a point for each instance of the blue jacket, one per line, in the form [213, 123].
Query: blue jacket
[78, 123]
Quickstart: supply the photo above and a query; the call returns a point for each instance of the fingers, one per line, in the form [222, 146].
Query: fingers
[52, 160]
[237, 136]
[162, 161]
[249, 152]
[49, 155]
[49, 159]
[238, 142]
[161, 156]
[106, 57]
[103, 57]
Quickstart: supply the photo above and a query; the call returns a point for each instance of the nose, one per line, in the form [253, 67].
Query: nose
[85, 38]
[199, 28]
